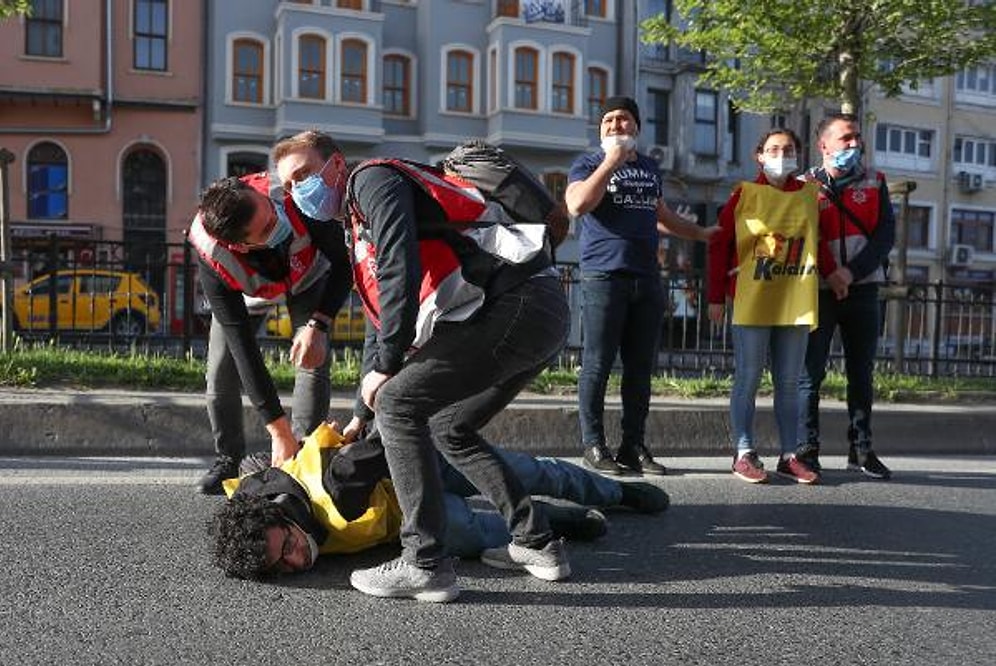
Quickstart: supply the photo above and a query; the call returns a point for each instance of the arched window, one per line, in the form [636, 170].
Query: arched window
[48, 182]
[354, 71]
[247, 71]
[311, 67]
[143, 175]
[526, 77]
[460, 81]
[562, 100]
[598, 85]
[397, 85]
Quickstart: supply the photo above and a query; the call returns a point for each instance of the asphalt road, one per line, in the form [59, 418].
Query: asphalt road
[104, 561]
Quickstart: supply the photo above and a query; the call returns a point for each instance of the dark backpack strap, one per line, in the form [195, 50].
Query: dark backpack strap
[851, 215]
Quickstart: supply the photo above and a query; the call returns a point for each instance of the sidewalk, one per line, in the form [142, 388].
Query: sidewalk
[128, 423]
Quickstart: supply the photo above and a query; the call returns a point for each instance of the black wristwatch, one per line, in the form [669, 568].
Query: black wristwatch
[319, 324]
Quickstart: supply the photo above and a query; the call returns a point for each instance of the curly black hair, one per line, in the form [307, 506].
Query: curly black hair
[239, 533]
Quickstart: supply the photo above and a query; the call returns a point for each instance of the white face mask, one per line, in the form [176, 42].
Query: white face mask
[779, 167]
[624, 140]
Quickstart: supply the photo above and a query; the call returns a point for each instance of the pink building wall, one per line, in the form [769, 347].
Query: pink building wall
[64, 100]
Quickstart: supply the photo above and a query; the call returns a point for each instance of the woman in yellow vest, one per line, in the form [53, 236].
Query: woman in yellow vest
[764, 258]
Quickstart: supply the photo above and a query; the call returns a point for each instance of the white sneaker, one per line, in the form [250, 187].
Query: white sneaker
[398, 578]
[546, 563]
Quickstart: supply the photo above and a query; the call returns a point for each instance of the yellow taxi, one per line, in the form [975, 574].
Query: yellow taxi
[349, 324]
[87, 299]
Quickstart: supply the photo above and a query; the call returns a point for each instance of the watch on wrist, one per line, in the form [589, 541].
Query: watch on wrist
[319, 324]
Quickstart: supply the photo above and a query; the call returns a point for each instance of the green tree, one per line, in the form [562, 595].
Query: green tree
[13, 7]
[770, 53]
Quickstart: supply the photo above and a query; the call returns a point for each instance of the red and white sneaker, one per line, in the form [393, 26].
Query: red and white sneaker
[749, 468]
[798, 471]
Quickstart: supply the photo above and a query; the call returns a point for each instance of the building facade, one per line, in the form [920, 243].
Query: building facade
[100, 103]
[942, 136]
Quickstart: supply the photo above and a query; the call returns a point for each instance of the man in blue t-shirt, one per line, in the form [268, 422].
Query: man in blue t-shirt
[616, 193]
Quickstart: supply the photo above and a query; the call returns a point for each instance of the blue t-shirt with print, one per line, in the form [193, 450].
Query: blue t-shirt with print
[620, 233]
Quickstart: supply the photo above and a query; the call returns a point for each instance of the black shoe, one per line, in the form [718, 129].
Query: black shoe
[254, 462]
[600, 459]
[809, 455]
[644, 497]
[223, 468]
[638, 459]
[866, 462]
[575, 523]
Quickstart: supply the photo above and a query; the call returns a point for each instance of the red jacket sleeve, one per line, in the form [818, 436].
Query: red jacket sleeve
[723, 253]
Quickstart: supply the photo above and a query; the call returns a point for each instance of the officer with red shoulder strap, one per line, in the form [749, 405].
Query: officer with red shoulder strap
[256, 250]
[858, 225]
[460, 330]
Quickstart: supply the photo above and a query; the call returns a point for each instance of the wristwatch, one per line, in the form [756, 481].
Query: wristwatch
[319, 324]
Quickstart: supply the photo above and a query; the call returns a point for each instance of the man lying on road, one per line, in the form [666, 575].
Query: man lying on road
[335, 498]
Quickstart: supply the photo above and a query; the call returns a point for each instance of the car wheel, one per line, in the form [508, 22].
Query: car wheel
[127, 324]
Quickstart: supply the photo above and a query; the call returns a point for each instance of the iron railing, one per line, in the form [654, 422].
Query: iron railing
[945, 328]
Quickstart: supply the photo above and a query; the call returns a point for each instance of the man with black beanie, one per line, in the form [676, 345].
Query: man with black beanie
[616, 193]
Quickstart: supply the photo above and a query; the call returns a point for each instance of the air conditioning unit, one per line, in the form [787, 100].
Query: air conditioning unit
[663, 155]
[960, 256]
[969, 181]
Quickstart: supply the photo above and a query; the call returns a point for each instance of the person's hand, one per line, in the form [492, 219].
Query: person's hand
[717, 312]
[617, 155]
[353, 430]
[370, 385]
[309, 348]
[283, 444]
[839, 281]
[707, 233]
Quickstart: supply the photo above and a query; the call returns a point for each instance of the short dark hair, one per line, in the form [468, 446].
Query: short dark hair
[320, 141]
[775, 131]
[239, 533]
[832, 118]
[227, 207]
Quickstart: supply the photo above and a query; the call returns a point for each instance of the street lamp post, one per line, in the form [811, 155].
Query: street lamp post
[899, 291]
[6, 280]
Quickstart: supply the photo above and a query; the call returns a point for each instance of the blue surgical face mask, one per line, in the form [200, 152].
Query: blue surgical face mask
[316, 199]
[846, 159]
[281, 230]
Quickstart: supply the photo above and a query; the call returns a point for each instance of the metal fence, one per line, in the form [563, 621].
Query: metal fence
[97, 294]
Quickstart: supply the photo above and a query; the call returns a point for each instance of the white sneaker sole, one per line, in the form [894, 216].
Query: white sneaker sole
[559, 572]
[439, 596]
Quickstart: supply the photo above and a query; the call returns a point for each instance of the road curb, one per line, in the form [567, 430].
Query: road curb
[120, 423]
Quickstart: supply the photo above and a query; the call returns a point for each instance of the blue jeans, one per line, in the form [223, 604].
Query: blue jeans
[469, 531]
[787, 347]
[312, 388]
[620, 314]
[450, 388]
[858, 319]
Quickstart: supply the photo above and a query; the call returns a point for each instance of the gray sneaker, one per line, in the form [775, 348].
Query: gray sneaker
[546, 563]
[398, 578]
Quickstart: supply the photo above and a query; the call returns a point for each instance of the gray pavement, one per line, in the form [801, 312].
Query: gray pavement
[106, 562]
[111, 422]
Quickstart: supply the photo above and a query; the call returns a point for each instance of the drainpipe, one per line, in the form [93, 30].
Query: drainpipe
[108, 97]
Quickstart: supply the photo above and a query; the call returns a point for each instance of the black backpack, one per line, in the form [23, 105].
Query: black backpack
[501, 178]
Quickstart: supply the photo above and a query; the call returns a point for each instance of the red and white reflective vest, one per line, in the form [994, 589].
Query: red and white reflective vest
[863, 198]
[444, 294]
[307, 264]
